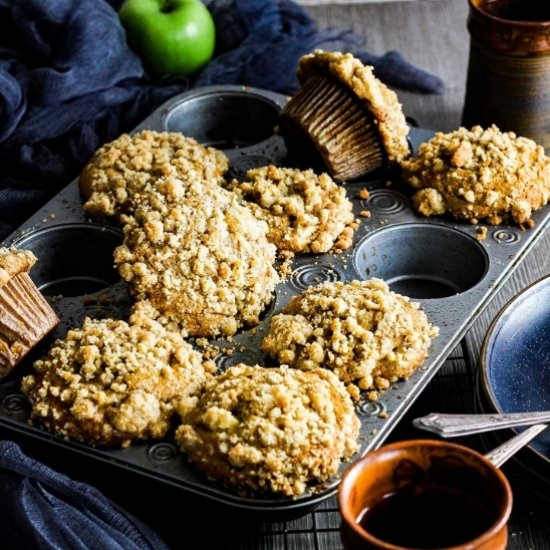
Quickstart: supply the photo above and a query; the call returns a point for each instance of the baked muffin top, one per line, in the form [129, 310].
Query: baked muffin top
[196, 259]
[110, 382]
[480, 174]
[363, 332]
[14, 261]
[305, 212]
[380, 101]
[119, 171]
[270, 430]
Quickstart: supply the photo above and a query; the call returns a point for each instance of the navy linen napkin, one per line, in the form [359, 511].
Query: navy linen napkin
[69, 82]
[43, 509]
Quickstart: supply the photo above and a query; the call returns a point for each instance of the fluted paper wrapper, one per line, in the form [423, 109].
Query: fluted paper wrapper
[25, 318]
[326, 119]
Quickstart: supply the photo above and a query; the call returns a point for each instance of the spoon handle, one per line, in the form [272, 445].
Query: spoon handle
[454, 425]
[502, 453]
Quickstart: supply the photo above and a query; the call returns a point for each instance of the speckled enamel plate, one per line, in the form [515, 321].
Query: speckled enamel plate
[515, 359]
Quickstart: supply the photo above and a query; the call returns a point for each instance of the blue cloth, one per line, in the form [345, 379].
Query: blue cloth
[69, 82]
[43, 509]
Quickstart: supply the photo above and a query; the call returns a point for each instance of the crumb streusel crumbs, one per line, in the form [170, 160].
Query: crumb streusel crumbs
[110, 382]
[196, 259]
[305, 212]
[14, 261]
[121, 170]
[270, 430]
[480, 174]
[365, 333]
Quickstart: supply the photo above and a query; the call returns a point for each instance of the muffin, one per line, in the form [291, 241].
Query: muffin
[305, 212]
[197, 260]
[260, 430]
[343, 114]
[366, 334]
[110, 382]
[120, 171]
[480, 174]
[25, 315]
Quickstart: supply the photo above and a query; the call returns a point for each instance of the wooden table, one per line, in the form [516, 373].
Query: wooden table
[431, 34]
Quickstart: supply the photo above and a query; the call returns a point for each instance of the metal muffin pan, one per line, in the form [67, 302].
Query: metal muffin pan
[436, 261]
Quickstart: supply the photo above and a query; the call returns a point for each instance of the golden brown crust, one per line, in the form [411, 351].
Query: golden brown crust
[270, 430]
[119, 171]
[110, 382]
[480, 174]
[380, 101]
[305, 212]
[25, 315]
[14, 261]
[361, 330]
[25, 318]
[198, 260]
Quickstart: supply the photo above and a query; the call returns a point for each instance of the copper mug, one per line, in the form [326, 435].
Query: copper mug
[424, 494]
[508, 81]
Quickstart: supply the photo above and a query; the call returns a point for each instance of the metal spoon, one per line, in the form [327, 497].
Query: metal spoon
[454, 425]
[503, 452]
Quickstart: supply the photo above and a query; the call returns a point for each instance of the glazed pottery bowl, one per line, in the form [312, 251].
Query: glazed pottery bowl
[424, 494]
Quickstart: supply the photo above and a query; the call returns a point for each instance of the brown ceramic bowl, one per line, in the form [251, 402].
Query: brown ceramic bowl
[424, 494]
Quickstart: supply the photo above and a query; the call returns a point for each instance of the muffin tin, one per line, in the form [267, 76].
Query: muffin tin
[438, 262]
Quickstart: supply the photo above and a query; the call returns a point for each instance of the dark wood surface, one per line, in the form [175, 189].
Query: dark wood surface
[431, 34]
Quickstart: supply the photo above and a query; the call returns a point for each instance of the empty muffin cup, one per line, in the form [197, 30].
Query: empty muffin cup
[74, 259]
[422, 260]
[224, 119]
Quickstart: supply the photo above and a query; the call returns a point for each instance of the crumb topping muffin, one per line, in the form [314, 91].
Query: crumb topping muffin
[379, 100]
[305, 212]
[366, 334]
[110, 382]
[196, 259]
[26, 317]
[14, 261]
[121, 170]
[270, 430]
[480, 174]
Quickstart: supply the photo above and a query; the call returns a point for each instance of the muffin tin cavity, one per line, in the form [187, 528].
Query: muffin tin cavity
[78, 261]
[225, 121]
[421, 260]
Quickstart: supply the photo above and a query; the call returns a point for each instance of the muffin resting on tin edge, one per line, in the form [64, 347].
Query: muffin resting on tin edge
[366, 334]
[197, 260]
[25, 315]
[345, 115]
[110, 382]
[121, 170]
[480, 174]
[264, 430]
[305, 212]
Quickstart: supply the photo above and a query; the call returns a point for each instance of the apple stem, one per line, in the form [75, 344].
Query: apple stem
[168, 6]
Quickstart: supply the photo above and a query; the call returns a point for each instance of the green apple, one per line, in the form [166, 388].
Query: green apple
[172, 37]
